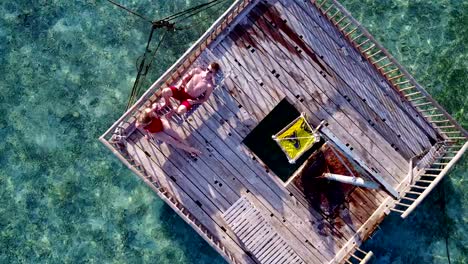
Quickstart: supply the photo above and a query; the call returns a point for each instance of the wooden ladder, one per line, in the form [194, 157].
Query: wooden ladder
[411, 93]
[426, 181]
[359, 256]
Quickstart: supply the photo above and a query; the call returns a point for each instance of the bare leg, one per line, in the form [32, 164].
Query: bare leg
[177, 140]
[171, 132]
[172, 141]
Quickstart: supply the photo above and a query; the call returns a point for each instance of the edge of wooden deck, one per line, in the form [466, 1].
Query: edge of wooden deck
[111, 137]
[229, 17]
[400, 80]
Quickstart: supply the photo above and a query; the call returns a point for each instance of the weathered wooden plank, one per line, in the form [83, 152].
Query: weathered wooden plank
[283, 81]
[154, 171]
[258, 216]
[258, 234]
[237, 222]
[352, 215]
[231, 96]
[334, 222]
[202, 171]
[276, 245]
[273, 176]
[284, 50]
[281, 253]
[341, 71]
[270, 184]
[246, 80]
[269, 247]
[254, 186]
[290, 83]
[350, 233]
[363, 205]
[234, 211]
[176, 205]
[272, 197]
[187, 194]
[374, 95]
[337, 102]
[306, 12]
[310, 15]
[368, 196]
[244, 101]
[286, 256]
[261, 242]
[272, 96]
[233, 84]
[243, 120]
[298, 246]
[243, 229]
[172, 161]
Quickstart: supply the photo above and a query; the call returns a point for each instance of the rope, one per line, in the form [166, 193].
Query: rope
[289, 138]
[199, 10]
[196, 24]
[142, 69]
[130, 11]
[192, 9]
[165, 22]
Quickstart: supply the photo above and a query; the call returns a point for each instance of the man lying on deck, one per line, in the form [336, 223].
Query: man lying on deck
[160, 129]
[194, 88]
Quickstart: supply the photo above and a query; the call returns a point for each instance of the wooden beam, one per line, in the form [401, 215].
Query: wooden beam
[377, 177]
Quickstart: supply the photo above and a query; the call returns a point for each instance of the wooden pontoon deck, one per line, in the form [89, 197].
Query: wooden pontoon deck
[323, 62]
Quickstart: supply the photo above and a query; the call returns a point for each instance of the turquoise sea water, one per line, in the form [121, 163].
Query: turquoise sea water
[66, 69]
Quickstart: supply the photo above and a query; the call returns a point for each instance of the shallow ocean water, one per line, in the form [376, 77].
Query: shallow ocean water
[66, 70]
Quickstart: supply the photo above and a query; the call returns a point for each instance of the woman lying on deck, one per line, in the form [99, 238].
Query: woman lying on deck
[160, 129]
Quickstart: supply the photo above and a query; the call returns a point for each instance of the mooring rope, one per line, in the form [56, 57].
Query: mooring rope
[194, 10]
[168, 23]
[142, 69]
[130, 11]
[200, 9]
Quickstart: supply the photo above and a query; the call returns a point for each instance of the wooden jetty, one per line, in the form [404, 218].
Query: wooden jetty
[315, 56]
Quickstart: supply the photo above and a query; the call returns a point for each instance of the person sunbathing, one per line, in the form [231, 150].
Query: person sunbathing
[159, 129]
[194, 88]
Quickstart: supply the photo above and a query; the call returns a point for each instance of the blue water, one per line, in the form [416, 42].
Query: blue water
[66, 69]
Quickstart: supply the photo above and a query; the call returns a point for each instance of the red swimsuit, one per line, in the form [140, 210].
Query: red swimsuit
[182, 96]
[154, 126]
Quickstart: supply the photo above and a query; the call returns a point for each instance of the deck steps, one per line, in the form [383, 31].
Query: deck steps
[258, 235]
